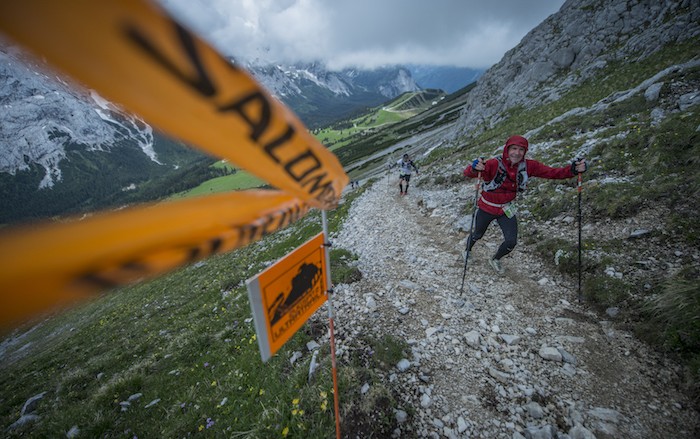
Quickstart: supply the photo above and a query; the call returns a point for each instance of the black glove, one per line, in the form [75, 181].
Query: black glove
[573, 166]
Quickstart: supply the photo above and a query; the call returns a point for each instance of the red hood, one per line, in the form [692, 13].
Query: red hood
[514, 140]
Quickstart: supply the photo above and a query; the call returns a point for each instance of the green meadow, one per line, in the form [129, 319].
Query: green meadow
[237, 180]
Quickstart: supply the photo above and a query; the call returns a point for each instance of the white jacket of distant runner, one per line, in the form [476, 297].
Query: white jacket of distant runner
[405, 167]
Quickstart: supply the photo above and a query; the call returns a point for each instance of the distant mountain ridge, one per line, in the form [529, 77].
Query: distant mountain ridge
[320, 97]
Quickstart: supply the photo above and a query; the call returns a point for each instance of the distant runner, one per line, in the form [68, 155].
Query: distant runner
[405, 164]
[504, 177]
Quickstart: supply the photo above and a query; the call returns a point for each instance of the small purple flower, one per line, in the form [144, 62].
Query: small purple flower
[210, 422]
[206, 364]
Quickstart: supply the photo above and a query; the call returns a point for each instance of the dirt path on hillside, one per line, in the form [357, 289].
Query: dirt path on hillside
[515, 355]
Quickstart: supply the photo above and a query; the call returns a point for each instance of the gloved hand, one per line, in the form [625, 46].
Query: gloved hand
[579, 165]
[478, 164]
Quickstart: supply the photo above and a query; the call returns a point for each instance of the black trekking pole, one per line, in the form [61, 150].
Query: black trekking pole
[580, 178]
[471, 230]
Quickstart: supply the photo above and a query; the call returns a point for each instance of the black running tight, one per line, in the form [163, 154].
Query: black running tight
[509, 227]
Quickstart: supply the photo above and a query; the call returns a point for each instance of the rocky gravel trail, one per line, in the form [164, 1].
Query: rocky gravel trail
[513, 356]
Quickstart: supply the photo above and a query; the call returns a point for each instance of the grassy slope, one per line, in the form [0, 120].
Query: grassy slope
[186, 341]
[238, 181]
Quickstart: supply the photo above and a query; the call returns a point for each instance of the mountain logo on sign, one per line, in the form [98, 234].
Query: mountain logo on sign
[306, 280]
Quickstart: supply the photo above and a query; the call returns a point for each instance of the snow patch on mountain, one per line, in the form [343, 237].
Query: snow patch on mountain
[132, 126]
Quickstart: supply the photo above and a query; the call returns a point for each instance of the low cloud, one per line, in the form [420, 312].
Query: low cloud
[364, 33]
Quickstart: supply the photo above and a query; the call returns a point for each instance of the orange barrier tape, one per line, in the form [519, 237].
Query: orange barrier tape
[53, 265]
[135, 55]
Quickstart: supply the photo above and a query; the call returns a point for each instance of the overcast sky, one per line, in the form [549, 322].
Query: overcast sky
[365, 33]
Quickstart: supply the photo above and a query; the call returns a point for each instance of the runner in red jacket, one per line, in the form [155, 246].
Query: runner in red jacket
[503, 178]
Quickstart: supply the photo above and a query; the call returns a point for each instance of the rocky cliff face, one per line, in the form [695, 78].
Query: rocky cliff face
[42, 114]
[570, 46]
[64, 149]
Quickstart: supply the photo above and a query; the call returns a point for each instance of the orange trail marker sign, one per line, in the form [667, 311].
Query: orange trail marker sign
[287, 293]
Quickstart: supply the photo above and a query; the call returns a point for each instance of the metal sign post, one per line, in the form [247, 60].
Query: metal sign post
[329, 293]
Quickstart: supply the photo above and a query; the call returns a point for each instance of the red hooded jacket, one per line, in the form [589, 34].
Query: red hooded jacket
[508, 189]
